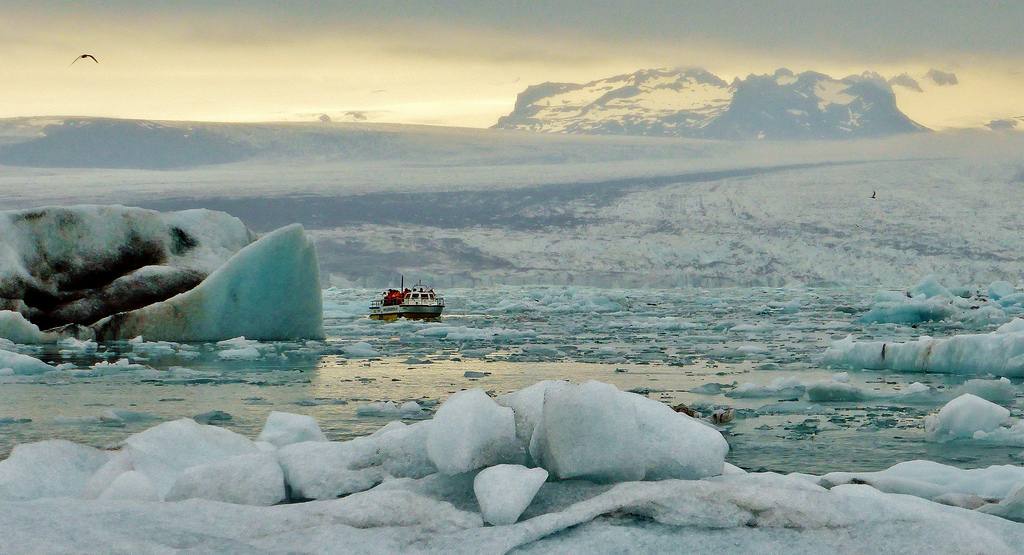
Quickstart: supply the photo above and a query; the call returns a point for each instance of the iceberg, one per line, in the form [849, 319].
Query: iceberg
[117, 273]
[1000, 353]
[270, 290]
[965, 416]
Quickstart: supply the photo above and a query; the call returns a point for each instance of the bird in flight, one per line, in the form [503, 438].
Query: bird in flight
[873, 194]
[84, 56]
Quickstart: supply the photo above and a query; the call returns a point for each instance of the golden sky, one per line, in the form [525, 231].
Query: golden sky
[453, 63]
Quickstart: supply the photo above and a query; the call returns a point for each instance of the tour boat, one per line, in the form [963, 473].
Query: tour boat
[418, 302]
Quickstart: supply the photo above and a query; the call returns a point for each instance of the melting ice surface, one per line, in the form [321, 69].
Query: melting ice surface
[757, 350]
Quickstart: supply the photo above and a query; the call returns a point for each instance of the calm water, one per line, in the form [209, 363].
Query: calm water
[665, 344]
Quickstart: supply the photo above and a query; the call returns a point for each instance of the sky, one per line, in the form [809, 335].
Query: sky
[462, 62]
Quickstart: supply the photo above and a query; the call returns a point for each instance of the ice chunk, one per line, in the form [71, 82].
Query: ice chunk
[589, 431]
[963, 417]
[1000, 352]
[470, 431]
[403, 448]
[1010, 508]
[22, 364]
[15, 327]
[790, 386]
[255, 479]
[164, 451]
[831, 391]
[506, 490]
[674, 445]
[1000, 289]
[360, 349]
[328, 469]
[909, 311]
[1001, 391]
[390, 409]
[930, 480]
[930, 287]
[528, 406]
[52, 468]
[131, 486]
[242, 353]
[269, 290]
[284, 428]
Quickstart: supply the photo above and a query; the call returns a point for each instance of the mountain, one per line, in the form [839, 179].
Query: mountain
[114, 143]
[648, 102]
[696, 103]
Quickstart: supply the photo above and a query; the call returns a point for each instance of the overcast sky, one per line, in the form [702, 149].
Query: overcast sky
[461, 62]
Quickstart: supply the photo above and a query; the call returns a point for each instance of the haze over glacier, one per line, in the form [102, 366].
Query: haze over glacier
[465, 206]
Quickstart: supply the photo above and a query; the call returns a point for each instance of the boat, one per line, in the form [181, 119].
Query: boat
[418, 303]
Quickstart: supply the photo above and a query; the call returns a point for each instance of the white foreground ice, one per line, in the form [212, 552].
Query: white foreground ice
[186, 486]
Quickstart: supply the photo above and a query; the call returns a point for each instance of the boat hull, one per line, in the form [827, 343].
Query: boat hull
[411, 312]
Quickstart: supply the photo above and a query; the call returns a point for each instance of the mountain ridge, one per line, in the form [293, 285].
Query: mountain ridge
[695, 103]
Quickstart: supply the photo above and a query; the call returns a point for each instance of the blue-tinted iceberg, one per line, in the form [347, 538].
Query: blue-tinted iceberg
[112, 272]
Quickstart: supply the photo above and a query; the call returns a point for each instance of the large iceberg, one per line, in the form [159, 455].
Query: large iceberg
[115, 273]
[1000, 352]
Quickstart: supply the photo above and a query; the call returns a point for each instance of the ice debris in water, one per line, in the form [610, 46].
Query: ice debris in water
[790, 386]
[930, 301]
[17, 363]
[360, 349]
[390, 409]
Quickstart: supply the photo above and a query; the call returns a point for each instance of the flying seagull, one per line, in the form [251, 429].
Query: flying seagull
[84, 56]
[873, 194]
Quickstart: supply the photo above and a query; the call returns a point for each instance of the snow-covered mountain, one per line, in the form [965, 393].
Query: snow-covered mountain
[648, 102]
[696, 103]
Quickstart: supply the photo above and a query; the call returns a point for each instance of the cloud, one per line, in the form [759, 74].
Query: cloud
[906, 81]
[942, 78]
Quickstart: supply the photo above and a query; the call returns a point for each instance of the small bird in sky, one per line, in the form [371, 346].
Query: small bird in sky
[873, 194]
[82, 57]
